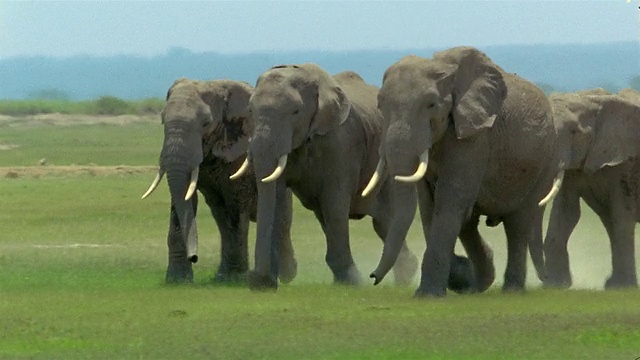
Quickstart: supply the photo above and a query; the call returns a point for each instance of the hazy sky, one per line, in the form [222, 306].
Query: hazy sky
[147, 28]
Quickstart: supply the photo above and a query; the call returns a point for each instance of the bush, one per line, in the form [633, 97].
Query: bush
[111, 105]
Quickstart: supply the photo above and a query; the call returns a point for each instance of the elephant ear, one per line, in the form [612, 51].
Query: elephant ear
[478, 90]
[617, 130]
[333, 106]
[228, 136]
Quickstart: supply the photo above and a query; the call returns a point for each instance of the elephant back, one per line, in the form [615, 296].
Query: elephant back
[364, 107]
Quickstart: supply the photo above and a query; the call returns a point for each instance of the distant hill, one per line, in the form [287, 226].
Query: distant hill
[555, 67]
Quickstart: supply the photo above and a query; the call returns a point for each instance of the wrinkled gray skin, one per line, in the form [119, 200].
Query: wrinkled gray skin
[329, 128]
[207, 125]
[599, 135]
[491, 145]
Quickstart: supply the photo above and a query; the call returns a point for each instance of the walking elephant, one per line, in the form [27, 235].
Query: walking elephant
[486, 136]
[319, 135]
[206, 136]
[599, 135]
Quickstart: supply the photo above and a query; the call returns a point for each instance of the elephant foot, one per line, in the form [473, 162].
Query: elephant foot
[351, 276]
[619, 282]
[422, 293]
[461, 276]
[230, 277]
[405, 268]
[179, 272]
[557, 282]
[258, 282]
[288, 270]
[513, 288]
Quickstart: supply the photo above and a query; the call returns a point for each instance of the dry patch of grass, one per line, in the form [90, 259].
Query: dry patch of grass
[15, 172]
[75, 119]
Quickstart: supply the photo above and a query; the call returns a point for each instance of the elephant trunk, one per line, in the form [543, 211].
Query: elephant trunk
[404, 210]
[401, 145]
[178, 186]
[268, 152]
[265, 220]
[180, 157]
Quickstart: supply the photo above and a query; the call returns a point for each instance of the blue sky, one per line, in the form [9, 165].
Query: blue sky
[148, 28]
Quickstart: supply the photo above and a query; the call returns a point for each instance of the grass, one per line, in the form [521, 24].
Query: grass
[82, 144]
[82, 262]
[104, 105]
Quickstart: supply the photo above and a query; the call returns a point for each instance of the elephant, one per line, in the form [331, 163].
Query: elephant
[599, 150]
[487, 137]
[206, 136]
[318, 135]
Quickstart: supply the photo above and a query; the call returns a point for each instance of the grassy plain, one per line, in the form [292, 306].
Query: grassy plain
[82, 263]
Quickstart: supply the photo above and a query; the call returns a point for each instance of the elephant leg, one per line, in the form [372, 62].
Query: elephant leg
[233, 226]
[179, 269]
[479, 253]
[620, 227]
[406, 264]
[460, 174]
[288, 267]
[461, 276]
[519, 229]
[565, 214]
[335, 224]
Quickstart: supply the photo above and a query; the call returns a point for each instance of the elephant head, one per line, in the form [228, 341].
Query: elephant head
[199, 118]
[290, 104]
[419, 99]
[596, 130]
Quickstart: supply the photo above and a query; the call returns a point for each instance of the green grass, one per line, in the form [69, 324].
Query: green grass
[104, 105]
[63, 299]
[101, 144]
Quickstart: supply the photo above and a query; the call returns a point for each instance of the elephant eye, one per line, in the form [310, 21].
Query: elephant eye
[431, 106]
[295, 112]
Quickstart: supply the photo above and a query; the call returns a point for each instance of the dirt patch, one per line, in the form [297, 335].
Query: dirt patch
[15, 172]
[67, 120]
[5, 146]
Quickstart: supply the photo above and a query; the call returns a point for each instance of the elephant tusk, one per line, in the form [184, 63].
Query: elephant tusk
[154, 184]
[420, 171]
[282, 162]
[192, 185]
[242, 170]
[557, 182]
[375, 178]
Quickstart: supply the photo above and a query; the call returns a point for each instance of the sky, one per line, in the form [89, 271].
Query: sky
[148, 28]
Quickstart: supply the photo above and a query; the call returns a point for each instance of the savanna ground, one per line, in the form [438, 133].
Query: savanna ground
[82, 263]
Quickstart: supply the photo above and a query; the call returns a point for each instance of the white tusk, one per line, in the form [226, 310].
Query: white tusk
[155, 183]
[242, 170]
[557, 182]
[192, 185]
[375, 178]
[282, 162]
[420, 171]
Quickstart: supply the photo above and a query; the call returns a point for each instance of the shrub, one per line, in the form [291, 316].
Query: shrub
[111, 105]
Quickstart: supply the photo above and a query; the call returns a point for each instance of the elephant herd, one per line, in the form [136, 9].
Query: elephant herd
[454, 136]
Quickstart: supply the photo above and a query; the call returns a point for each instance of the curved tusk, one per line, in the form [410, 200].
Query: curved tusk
[192, 185]
[420, 171]
[242, 170]
[375, 178]
[557, 182]
[154, 184]
[282, 162]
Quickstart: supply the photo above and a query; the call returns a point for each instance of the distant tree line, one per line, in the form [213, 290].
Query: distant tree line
[564, 67]
[48, 101]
